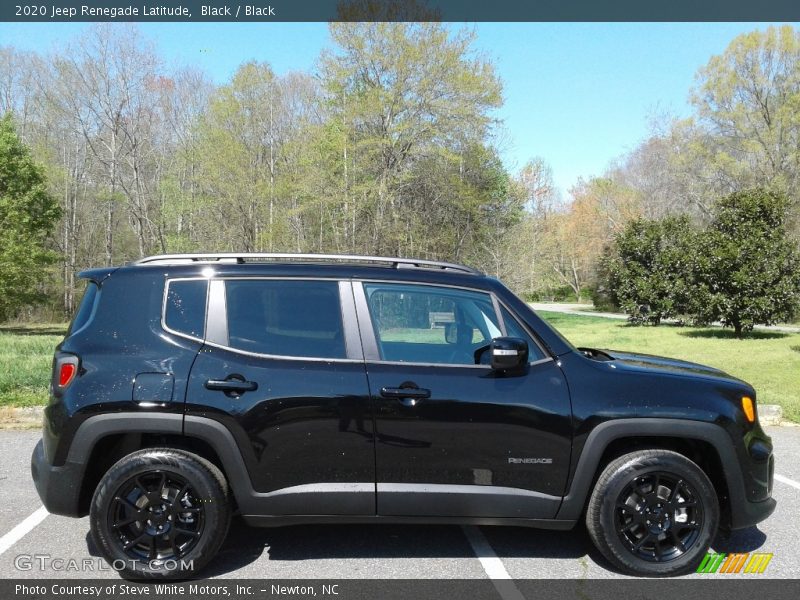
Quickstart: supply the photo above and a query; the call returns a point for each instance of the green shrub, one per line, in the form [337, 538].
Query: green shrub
[602, 298]
[647, 270]
[746, 269]
[532, 296]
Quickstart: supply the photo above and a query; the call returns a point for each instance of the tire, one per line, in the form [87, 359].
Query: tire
[160, 513]
[653, 513]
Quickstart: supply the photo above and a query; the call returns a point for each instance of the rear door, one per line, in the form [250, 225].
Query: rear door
[282, 369]
[454, 438]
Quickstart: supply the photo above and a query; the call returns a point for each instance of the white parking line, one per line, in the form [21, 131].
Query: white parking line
[787, 481]
[494, 567]
[16, 534]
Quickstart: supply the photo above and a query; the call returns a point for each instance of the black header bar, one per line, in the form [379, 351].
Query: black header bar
[398, 10]
[731, 588]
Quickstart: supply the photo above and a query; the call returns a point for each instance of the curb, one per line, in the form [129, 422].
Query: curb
[770, 414]
[26, 417]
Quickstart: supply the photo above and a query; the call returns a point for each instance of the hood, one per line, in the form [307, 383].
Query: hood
[630, 361]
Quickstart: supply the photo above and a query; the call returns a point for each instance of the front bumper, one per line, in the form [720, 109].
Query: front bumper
[58, 487]
[747, 514]
[756, 503]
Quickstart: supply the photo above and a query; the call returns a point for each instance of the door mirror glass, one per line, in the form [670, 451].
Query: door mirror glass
[508, 354]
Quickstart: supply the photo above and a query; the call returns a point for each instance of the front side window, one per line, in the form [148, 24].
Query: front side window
[185, 310]
[515, 329]
[428, 324]
[285, 318]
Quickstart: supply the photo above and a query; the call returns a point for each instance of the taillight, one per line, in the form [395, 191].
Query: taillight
[66, 374]
[65, 371]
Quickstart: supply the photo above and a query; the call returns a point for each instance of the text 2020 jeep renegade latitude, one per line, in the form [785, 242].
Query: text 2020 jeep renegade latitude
[317, 389]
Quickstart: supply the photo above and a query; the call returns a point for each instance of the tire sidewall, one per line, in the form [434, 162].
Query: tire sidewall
[684, 469]
[216, 513]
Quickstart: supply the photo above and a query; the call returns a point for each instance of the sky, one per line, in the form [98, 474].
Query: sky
[578, 95]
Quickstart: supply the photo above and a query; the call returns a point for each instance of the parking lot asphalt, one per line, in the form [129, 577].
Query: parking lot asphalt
[370, 551]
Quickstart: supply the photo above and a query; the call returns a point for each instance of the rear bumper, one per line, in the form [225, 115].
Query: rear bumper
[58, 487]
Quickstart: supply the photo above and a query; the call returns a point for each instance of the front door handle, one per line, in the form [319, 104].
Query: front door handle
[408, 393]
[418, 393]
[233, 385]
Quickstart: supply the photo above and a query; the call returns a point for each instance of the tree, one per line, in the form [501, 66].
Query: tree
[237, 154]
[182, 104]
[747, 271]
[648, 270]
[669, 173]
[526, 269]
[387, 148]
[600, 207]
[744, 133]
[254, 139]
[28, 215]
[19, 93]
[747, 102]
[404, 94]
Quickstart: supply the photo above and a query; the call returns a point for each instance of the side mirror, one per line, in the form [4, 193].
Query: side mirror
[450, 333]
[508, 354]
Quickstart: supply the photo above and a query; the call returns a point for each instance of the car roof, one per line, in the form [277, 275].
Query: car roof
[340, 266]
[285, 257]
[313, 266]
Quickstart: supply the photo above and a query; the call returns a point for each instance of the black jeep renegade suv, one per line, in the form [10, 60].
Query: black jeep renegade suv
[319, 389]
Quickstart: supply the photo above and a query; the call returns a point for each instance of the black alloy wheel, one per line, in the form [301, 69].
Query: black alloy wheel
[652, 513]
[658, 516]
[156, 516]
[160, 513]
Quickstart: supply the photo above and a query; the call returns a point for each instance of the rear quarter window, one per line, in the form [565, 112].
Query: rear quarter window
[185, 307]
[85, 308]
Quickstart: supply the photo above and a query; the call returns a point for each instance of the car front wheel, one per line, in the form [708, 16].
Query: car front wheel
[160, 513]
[653, 513]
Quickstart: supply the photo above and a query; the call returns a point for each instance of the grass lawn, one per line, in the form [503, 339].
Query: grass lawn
[770, 361]
[26, 355]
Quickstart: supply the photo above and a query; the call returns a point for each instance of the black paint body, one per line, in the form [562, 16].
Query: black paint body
[317, 439]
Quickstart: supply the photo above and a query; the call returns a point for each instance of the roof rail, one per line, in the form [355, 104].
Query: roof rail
[241, 258]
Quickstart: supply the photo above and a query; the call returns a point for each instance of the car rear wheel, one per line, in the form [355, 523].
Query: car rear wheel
[653, 513]
[160, 513]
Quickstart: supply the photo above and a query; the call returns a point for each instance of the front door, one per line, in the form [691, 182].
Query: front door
[284, 374]
[454, 437]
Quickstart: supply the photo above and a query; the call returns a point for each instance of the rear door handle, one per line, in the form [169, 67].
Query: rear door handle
[232, 385]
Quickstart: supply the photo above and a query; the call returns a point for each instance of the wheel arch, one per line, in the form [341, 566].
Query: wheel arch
[102, 440]
[707, 444]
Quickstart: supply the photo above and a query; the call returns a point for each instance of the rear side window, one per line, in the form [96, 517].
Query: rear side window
[185, 310]
[85, 308]
[285, 318]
